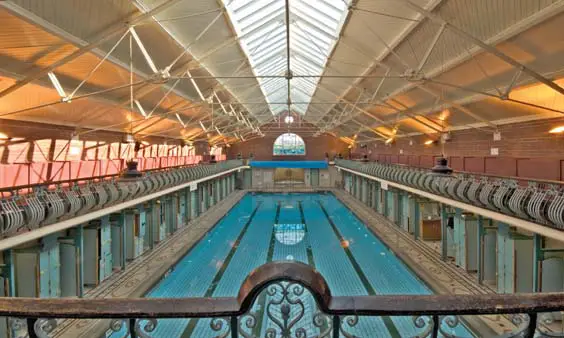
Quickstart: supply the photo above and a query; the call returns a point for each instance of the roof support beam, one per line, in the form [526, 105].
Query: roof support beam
[491, 49]
[431, 48]
[97, 40]
[141, 46]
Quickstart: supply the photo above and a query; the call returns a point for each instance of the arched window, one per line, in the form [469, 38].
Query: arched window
[289, 144]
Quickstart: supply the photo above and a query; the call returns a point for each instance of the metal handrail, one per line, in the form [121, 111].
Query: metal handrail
[539, 203]
[88, 179]
[21, 213]
[338, 313]
[476, 174]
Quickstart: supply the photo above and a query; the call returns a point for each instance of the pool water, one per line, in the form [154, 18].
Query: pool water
[316, 229]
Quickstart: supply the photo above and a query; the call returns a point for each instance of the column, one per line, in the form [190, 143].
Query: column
[385, 203]
[505, 249]
[194, 204]
[391, 204]
[377, 197]
[403, 206]
[459, 239]
[218, 189]
[154, 223]
[106, 258]
[71, 263]
[206, 192]
[364, 190]
[537, 261]
[129, 230]
[79, 246]
[173, 212]
[489, 252]
[480, 250]
[8, 272]
[357, 187]
[213, 192]
[187, 205]
[141, 229]
[444, 232]
[181, 195]
[414, 217]
[49, 267]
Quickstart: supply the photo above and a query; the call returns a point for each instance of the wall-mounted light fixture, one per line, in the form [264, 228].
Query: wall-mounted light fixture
[390, 140]
[557, 130]
[430, 142]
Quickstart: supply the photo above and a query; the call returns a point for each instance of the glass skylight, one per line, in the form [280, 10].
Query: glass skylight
[314, 28]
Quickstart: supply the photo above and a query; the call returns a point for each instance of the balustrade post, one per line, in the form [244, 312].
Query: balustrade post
[336, 326]
[234, 327]
[30, 322]
[131, 328]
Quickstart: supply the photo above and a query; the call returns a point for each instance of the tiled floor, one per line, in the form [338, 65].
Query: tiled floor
[142, 273]
[424, 259]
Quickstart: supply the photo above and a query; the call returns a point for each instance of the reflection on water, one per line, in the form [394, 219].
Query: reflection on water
[289, 234]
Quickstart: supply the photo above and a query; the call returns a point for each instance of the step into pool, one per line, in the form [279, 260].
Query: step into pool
[312, 228]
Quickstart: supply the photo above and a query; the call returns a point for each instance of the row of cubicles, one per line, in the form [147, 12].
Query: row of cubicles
[71, 262]
[499, 255]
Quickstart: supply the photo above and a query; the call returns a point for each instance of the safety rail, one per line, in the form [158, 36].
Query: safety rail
[288, 289]
[537, 201]
[42, 206]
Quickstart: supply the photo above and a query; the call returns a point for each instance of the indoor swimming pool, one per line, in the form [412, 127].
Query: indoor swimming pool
[316, 229]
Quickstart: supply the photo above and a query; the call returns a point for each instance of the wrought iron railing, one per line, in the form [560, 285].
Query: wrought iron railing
[538, 201]
[286, 290]
[48, 204]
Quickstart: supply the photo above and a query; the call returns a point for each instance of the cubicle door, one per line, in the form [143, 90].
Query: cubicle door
[524, 265]
[314, 177]
[69, 269]
[26, 265]
[90, 259]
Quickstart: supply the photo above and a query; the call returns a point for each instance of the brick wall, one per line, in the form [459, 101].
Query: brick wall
[525, 150]
[316, 147]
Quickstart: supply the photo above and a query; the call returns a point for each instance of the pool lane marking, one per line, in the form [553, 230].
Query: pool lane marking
[310, 260]
[262, 297]
[209, 292]
[273, 236]
[371, 291]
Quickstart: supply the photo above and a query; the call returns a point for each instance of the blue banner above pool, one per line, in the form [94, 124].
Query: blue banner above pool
[289, 164]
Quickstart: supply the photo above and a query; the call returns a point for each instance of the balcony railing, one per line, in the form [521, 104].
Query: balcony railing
[47, 204]
[541, 202]
[297, 301]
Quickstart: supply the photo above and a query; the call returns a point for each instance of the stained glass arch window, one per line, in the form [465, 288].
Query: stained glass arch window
[289, 144]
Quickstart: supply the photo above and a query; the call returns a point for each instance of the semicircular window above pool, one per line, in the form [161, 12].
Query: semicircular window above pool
[289, 144]
[289, 234]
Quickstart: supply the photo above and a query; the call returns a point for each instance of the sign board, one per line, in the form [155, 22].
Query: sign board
[385, 185]
[193, 186]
